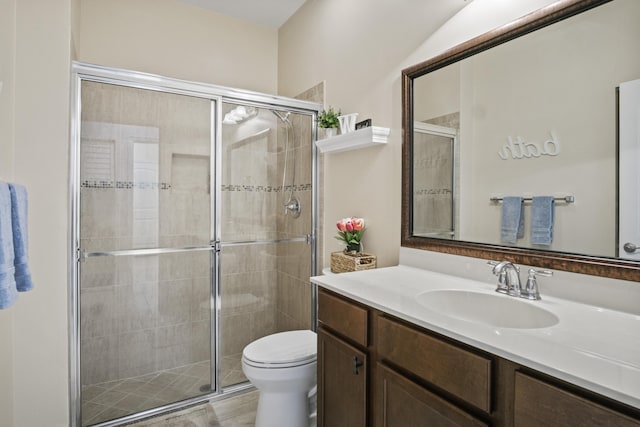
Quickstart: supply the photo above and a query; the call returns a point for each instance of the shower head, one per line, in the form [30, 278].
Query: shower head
[239, 114]
[284, 118]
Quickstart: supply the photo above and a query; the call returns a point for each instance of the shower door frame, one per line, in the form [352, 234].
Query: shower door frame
[217, 95]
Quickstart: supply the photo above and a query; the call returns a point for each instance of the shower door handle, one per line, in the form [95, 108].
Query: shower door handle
[356, 364]
[84, 254]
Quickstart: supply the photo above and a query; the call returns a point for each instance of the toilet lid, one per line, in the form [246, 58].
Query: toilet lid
[284, 348]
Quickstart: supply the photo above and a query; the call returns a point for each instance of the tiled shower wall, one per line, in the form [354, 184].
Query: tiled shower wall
[144, 183]
[294, 290]
[265, 288]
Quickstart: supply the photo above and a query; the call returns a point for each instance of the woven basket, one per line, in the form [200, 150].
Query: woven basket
[342, 263]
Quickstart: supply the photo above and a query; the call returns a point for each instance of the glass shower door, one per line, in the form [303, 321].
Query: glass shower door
[145, 284]
[266, 252]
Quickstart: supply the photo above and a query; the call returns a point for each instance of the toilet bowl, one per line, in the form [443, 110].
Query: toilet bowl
[282, 367]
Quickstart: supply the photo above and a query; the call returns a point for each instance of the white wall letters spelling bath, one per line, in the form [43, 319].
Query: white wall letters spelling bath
[519, 148]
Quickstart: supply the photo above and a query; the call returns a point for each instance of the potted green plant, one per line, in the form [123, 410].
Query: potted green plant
[328, 120]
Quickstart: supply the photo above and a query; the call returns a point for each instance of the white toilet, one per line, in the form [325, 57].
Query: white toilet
[283, 368]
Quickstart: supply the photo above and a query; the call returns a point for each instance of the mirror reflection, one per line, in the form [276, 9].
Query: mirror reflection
[517, 145]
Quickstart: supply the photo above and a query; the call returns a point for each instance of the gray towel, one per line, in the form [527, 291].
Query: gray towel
[542, 208]
[8, 291]
[20, 239]
[512, 219]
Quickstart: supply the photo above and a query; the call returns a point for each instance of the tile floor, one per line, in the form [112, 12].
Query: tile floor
[115, 399]
[238, 411]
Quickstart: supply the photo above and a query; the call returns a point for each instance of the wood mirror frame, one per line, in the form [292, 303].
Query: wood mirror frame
[592, 265]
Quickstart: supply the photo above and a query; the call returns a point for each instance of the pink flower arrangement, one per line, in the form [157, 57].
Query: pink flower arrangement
[350, 231]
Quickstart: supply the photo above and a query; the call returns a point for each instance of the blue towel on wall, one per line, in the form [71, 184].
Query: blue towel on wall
[512, 219]
[8, 291]
[20, 239]
[542, 208]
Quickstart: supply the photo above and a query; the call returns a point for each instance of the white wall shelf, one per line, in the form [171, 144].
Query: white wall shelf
[361, 138]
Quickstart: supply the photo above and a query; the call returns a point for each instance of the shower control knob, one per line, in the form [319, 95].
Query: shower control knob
[630, 247]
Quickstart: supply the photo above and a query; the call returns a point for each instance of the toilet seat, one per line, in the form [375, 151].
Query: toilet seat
[282, 350]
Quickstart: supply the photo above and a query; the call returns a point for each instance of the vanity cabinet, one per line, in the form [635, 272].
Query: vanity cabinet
[343, 362]
[446, 366]
[541, 404]
[377, 370]
[400, 403]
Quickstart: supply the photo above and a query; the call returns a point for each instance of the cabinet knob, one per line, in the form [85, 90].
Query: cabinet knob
[356, 365]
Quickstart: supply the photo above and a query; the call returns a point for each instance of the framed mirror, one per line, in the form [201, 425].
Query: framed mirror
[522, 144]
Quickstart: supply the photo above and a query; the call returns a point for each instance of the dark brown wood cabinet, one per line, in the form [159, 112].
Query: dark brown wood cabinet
[342, 373]
[541, 404]
[377, 370]
[449, 367]
[401, 403]
[343, 362]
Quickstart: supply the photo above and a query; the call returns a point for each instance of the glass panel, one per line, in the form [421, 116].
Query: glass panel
[144, 168]
[265, 289]
[266, 164]
[256, 185]
[145, 320]
[433, 203]
[145, 328]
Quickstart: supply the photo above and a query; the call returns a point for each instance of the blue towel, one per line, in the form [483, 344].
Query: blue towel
[542, 220]
[8, 291]
[512, 219]
[20, 238]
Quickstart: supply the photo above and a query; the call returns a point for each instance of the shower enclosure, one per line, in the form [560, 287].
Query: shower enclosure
[193, 218]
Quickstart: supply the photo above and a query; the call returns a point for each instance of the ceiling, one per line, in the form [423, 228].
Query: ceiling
[269, 13]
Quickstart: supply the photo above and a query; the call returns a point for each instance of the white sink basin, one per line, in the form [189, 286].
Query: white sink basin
[497, 310]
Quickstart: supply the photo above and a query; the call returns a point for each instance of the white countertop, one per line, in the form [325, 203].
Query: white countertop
[592, 347]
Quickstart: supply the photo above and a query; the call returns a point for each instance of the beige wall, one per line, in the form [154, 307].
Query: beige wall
[7, 68]
[360, 51]
[7, 73]
[40, 337]
[178, 40]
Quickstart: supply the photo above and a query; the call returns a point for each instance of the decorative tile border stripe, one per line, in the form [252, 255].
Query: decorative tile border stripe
[432, 191]
[129, 185]
[126, 185]
[265, 188]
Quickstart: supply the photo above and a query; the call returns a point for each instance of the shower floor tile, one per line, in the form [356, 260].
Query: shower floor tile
[115, 399]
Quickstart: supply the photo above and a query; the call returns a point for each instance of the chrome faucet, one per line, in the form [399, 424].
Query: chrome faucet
[508, 278]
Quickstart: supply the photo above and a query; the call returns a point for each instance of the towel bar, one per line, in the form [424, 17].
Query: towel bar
[565, 199]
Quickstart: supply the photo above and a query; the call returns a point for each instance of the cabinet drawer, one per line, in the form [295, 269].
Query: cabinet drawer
[344, 317]
[538, 403]
[403, 403]
[451, 368]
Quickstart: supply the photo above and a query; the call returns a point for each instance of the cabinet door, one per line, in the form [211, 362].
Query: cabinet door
[342, 383]
[402, 403]
[539, 404]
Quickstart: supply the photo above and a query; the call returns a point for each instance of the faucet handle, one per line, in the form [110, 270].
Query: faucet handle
[531, 291]
[503, 287]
